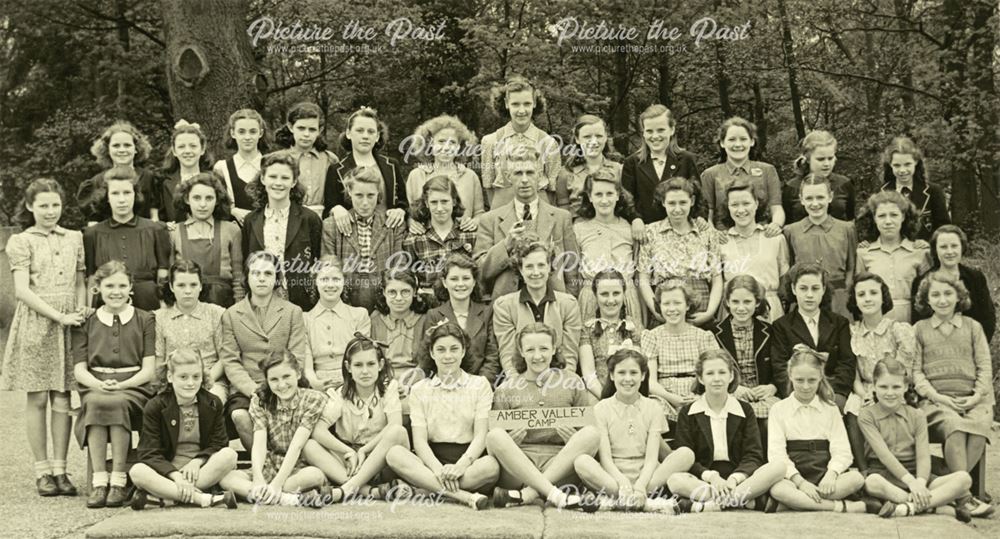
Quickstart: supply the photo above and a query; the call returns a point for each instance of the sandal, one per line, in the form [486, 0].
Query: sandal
[397, 489]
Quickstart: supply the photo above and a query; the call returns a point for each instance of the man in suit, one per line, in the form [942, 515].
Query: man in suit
[502, 227]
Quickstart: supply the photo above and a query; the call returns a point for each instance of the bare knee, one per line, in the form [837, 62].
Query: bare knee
[396, 434]
[496, 437]
[227, 457]
[397, 456]
[590, 438]
[140, 472]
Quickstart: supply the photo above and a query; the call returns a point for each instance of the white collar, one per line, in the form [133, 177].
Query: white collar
[341, 309]
[814, 403]
[519, 207]
[701, 406]
[240, 162]
[108, 319]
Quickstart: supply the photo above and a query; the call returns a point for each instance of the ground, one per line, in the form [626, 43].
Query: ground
[25, 515]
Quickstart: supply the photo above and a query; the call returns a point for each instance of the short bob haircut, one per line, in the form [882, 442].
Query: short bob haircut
[253, 257]
[404, 276]
[440, 331]
[736, 121]
[747, 282]
[422, 140]
[246, 114]
[947, 229]
[697, 387]
[678, 183]
[256, 190]
[537, 328]
[223, 206]
[182, 266]
[179, 358]
[868, 229]
[516, 83]
[624, 208]
[669, 286]
[964, 301]
[24, 216]
[304, 110]
[621, 356]
[742, 186]
[442, 184]
[101, 204]
[461, 261]
[809, 268]
[852, 301]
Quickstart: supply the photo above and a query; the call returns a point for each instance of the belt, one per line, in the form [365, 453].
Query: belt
[807, 445]
[679, 375]
[115, 370]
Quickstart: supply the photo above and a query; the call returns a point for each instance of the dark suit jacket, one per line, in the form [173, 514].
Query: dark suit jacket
[931, 206]
[742, 433]
[392, 175]
[482, 357]
[303, 243]
[834, 338]
[161, 424]
[761, 342]
[983, 310]
[639, 178]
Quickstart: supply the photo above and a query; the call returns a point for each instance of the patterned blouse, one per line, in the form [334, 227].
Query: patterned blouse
[889, 339]
[51, 260]
[669, 255]
[605, 340]
[676, 356]
[745, 360]
[201, 330]
[303, 410]
[428, 251]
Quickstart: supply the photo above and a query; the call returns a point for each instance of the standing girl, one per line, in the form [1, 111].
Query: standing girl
[610, 330]
[948, 245]
[736, 138]
[903, 170]
[630, 425]
[828, 241]
[519, 100]
[330, 325]
[114, 354]
[248, 136]
[954, 376]
[361, 422]
[186, 323]
[47, 265]
[395, 322]
[121, 145]
[606, 239]
[677, 249]
[284, 413]
[888, 221]
[449, 415]
[124, 234]
[437, 210]
[367, 247]
[441, 145]
[186, 158]
[461, 303]
[364, 135]
[729, 469]
[747, 338]
[205, 235]
[672, 349]
[183, 450]
[590, 155]
[818, 157]
[659, 159]
[749, 250]
[805, 434]
[899, 456]
[280, 226]
[302, 135]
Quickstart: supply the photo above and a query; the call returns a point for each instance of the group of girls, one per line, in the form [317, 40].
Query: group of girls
[284, 322]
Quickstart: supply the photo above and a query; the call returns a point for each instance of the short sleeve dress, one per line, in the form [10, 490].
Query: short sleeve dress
[37, 356]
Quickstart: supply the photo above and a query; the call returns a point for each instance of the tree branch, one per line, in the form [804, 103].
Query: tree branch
[937, 98]
[311, 78]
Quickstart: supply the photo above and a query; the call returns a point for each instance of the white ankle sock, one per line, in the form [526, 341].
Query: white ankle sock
[905, 510]
[287, 498]
[100, 479]
[556, 497]
[58, 467]
[203, 499]
[42, 467]
[119, 479]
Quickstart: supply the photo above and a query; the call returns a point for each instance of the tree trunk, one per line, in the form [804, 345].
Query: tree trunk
[722, 79]
[619, 105]
[665, 84]
[121, 24]
[210, 67]
[792, 67]
[760, 119]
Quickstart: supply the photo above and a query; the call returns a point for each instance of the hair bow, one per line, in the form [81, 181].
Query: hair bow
[439, 323]
[184, 123]
[365, 108]
[806, 349]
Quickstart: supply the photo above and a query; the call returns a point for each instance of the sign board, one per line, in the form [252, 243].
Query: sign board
[542, 418]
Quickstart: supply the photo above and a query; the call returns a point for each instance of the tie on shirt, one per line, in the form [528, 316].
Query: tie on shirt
[813, 329]
[527, 213]
[905, 191]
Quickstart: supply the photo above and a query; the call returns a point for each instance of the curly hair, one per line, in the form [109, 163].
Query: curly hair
[678, 183]
[747, 282]
[866, 225]
[100, 149]
[100, 203]
[223, 206]
[171, 163]
[947, 229]
[669, 286]
[436, 333]
[515, 83]
[246, 114]
[743, 186]
[809, 268]
[364, 112]
[24, 216]
[529, 243]
[361, 343]
[622, 355]
[814, 139]
[461, 261]
[852, 300]
[905, 146]
[422, 139]
[537, 328]
[440, 183]
[654, 111]
[923, 291]
[268, 399]
[109, 268]
[404, 276]
[304, 110]
[624, 208]
[256, 190]
[736, 121]
[181, 266]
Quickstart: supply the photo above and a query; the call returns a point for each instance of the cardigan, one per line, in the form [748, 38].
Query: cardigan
[303, 241]
[982, 310]
[562, 314]
[746, 452]
[834, 338]
[161, 428]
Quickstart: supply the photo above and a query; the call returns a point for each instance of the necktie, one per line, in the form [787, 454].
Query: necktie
[813, 329]
[527, 213]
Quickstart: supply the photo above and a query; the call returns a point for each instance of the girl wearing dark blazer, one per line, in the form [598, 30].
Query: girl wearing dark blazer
[278, 199]
[459, 292]
[183, 449]
[729, 469]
